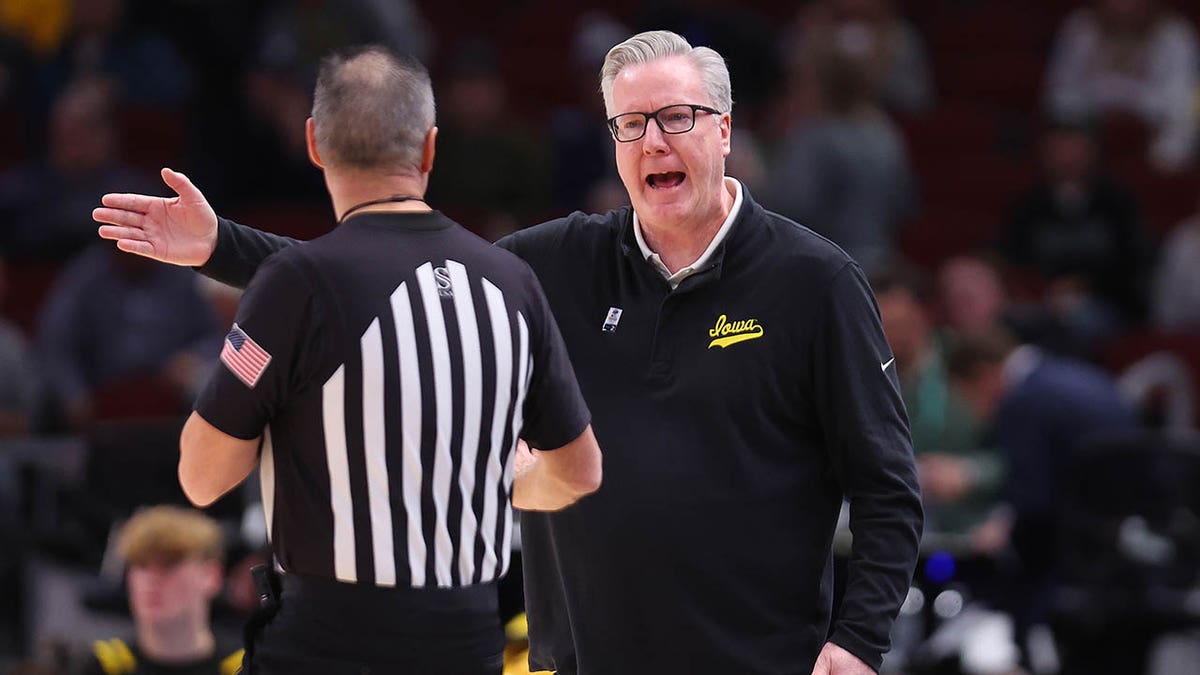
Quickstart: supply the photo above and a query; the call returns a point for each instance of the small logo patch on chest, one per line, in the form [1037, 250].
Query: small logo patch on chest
[728, 332]
[611, 320]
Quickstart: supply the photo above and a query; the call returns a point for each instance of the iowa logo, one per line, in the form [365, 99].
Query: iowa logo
[728, 332]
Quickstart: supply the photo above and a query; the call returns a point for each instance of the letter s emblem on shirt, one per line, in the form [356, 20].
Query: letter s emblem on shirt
[441, 277]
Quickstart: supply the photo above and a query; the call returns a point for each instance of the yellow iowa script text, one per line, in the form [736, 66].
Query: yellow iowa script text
[728, 332]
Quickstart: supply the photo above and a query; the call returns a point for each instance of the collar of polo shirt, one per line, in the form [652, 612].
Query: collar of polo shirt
[697, 264]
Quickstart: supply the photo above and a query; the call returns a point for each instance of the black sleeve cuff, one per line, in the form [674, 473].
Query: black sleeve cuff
[865, 651]
[239, 252]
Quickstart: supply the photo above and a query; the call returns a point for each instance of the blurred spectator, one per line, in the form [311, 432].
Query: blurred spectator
[39, 26]
[581, 147]
[1080, 233]
[53, 657]
[492, 169]
[1176, 301]
[974, 302]
[959, 478]
[1134, 57]
[747, 160]
[893, 51]
[739, 31]
[173, 568]
[111, 316]
[971, 295]
[845, 172]
[216, 39]
[297, 33]
[18, 378]
[1040, 408]
[102, 40]
[46, 205]
[278, 85]
[888, 47]
[28, 31]
[797, 94]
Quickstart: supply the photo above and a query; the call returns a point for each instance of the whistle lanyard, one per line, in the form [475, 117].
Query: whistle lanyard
[394, 199]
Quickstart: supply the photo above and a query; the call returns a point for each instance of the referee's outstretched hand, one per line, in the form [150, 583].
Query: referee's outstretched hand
[833, 660]
[179, 230]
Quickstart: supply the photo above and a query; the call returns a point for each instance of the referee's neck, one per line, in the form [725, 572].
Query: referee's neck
[350, 187]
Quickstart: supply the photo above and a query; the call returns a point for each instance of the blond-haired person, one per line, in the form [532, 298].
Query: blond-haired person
[174, 569]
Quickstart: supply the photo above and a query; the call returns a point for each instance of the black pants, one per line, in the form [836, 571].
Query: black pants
[330, 628]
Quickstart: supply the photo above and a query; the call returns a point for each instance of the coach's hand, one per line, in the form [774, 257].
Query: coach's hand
[833, 660]
[524, 459]
[179, 230]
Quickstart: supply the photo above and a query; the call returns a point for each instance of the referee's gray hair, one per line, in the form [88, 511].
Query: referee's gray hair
[372, 109]
[659, 44]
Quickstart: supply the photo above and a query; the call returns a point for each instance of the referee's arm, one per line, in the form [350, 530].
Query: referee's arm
[211, 462]
[556, 419]
[554, 479]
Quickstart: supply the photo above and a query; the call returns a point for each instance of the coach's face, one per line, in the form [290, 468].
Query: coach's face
[673, 180]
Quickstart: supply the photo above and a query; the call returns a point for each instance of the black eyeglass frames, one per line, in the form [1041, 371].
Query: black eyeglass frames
[673, 119]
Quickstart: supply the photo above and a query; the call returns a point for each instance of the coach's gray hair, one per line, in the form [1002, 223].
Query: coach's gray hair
[372, 109]
[659, 44]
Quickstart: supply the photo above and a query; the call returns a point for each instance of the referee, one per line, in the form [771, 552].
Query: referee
[379, 377]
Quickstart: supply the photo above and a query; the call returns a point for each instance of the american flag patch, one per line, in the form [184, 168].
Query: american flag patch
[244, 357]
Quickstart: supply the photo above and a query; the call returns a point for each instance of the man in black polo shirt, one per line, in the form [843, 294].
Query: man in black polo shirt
[742, 386]
[386, 370]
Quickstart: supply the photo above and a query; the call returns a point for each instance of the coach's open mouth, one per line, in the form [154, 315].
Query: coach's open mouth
[666, 179]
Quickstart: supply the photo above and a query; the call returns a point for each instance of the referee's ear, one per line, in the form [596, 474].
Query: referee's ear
[310, 140]
[428, 150]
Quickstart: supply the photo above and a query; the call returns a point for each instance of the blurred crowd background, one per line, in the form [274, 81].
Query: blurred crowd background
[1020, 178]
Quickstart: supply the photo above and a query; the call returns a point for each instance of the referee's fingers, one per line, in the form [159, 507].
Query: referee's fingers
[120, 217]
[182, 185]
[142, 248]
[128, 202]
[122, 233]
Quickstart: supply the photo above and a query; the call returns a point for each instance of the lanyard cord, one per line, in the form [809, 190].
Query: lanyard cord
[373, 202]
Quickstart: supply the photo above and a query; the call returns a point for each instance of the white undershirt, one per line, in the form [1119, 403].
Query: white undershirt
[698, 264]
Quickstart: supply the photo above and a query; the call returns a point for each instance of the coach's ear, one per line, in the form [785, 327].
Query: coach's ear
[310, 139]
[428, 150]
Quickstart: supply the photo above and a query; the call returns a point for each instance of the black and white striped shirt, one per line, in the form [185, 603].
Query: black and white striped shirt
[406, 356]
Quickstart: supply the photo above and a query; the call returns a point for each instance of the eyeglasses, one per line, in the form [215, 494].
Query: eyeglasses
[673, 119]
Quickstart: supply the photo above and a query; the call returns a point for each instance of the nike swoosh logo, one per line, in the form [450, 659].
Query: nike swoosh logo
[883, 366]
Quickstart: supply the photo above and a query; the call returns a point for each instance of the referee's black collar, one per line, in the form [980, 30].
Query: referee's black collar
[716, 263]
[417, 221]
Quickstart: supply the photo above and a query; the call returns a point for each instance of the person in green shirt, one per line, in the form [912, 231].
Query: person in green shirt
[959, 477]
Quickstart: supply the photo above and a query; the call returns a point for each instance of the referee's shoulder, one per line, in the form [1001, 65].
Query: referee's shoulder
[290, 261]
